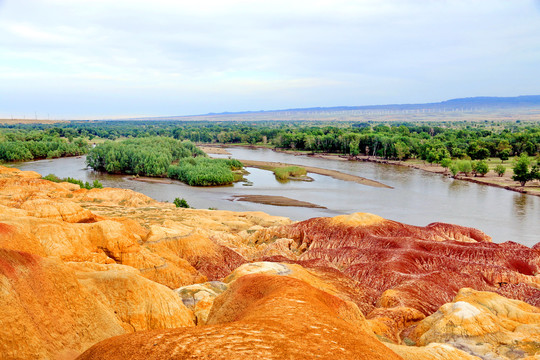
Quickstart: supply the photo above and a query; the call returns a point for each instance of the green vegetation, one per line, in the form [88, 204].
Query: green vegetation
[182, 203]
[22, 148]
[480, 167]
[142, 156]
[464, 166]
[84, 185]
[160, 156]
[284, 173]
[522, 172]
[201, 171]
[500, 170]
[151, 148]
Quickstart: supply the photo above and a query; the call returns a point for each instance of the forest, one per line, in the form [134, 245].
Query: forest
[428, 141]
[433, 142]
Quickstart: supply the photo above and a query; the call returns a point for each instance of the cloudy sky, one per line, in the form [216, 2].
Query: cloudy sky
[104, 59]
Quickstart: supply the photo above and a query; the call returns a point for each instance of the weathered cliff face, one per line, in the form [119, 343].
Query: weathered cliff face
[108, 261]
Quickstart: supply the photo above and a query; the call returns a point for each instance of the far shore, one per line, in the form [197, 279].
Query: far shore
[490, 179]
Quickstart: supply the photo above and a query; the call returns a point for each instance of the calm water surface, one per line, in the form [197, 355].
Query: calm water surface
[418, 197]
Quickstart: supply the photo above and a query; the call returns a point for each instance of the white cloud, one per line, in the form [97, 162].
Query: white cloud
[262, 54]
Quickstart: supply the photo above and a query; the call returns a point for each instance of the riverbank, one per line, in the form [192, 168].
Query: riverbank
[332, 173]
[490, 179]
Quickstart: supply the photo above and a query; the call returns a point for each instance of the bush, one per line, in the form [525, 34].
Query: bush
[454, 169]
[181, 203]
[481, 167]
[464, 166]
[445, 163]
[500, 170]
[522, 173]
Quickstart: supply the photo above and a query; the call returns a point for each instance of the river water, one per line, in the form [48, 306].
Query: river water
[417, 197]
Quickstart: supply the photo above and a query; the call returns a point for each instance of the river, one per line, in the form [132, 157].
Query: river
[417, 197]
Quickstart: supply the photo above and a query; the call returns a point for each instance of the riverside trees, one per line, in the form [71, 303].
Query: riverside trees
[161, 156]
[522, 172]
[429, 141]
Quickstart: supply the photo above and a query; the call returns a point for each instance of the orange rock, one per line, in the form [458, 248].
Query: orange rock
[65, 211]
[259, 317]
[210, 259]
[46, 313]
[140, 304]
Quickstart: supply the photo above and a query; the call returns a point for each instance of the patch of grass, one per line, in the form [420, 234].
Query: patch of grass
[284, 173]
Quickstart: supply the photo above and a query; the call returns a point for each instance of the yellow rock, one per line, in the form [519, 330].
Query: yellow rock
[140, 304]
[200, 298]
[483, 323]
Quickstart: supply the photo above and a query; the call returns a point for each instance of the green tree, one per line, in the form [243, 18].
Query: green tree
[454, 169]
[504, 154]
[446, 162]
[522, 172]
[481, 167]
[465, 166]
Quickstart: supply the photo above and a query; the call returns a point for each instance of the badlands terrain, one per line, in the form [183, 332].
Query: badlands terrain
[112, 274]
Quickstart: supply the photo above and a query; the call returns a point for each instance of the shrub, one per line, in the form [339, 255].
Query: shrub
[481, 167]
[464, 166]
[500, 170]
[181, 203]
[454, 169]
[445, 163]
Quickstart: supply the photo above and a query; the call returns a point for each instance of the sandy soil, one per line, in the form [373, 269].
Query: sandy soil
[275, 200]
[209, 149]
[332, 173]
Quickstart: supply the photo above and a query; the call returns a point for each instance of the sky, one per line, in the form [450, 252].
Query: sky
[92, 59]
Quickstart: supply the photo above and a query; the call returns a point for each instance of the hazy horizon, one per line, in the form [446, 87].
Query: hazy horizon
[73, 59]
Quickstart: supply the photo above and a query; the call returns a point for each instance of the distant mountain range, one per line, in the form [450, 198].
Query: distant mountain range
[470, 102]
[480, 104]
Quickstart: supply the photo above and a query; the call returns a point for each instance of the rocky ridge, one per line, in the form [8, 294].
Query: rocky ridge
[81, 266]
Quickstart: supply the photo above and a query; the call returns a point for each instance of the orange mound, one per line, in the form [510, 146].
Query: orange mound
[259, 317]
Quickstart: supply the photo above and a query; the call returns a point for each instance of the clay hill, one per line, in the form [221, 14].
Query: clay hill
[112, 274]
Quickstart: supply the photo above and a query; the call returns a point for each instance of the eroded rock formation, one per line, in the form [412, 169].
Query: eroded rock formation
[80, 266]
[260, 317]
